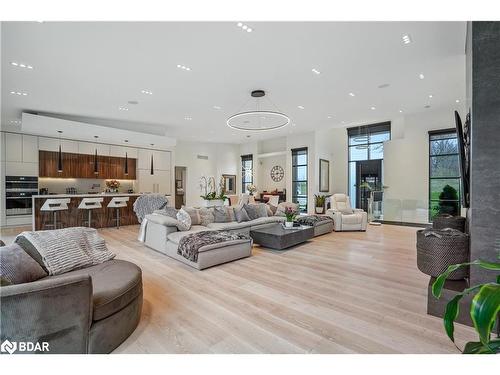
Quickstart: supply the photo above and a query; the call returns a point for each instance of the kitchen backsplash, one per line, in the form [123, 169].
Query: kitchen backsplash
[82, 185]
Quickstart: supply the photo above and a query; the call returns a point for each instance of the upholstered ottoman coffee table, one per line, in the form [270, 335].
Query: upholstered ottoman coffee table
[278, 238]
[322, 224]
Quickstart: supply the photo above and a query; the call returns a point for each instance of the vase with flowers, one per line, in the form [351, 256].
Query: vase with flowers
[251, 188]
[112, 186]
[290, 215]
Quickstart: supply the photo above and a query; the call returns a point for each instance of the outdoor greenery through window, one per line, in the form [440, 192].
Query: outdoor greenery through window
[299, 178]
[444, 174]
[246, 172]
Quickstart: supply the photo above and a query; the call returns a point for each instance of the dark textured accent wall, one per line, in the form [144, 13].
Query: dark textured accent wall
[485, 146]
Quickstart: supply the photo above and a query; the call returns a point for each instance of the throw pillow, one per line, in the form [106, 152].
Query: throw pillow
[207, 216]
[168, 211]
[280, 211]
[347, 211]
[17, 267]
[31, 250]
[163, 219]
[272, 209]
[184, 220]
[255, 211]
[194, 213]
[240, 214]
[223, 214]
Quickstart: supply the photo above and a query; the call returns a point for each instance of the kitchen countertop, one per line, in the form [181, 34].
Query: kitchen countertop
[86, 195]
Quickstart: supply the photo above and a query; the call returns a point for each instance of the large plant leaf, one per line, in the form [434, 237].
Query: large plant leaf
[484, 309]
[477, 347]
[452, 310]
[437, 286]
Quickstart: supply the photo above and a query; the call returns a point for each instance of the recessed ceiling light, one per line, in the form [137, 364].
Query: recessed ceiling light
[430, 96]
[183, 67]
[21, 65]
[373, 108]
[15, 121]
[329, 116]
[421, 76]
[19, 93]
[407, 39]
[188, 118]
[457, 101]
[300, 107]
[316, 71]
[400, 111]
[216, 107]
[147, 92]
[123, 108]
[247, 28]
[343, 122]
[351, 94]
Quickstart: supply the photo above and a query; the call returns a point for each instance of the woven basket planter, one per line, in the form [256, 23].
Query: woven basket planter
[449, 221]
[435, 254]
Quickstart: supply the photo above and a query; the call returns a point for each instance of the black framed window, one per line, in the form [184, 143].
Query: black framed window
[299, 178]
[365, 143]
[246, 172]
[444, 173]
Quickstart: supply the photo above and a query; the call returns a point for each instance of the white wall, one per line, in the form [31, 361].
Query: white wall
[266, 183]
[222, 159]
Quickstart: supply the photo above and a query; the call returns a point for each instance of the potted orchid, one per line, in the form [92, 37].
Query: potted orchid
[213, 194]
[290, 215]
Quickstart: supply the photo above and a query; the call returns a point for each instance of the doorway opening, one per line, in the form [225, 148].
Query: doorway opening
[180, 187]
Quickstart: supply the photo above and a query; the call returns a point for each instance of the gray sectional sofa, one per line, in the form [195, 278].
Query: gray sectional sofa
[162, 235]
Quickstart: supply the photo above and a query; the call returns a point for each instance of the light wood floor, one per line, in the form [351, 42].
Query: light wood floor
[339, 293]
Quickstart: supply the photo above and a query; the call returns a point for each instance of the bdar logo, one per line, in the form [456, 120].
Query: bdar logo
[8, 346]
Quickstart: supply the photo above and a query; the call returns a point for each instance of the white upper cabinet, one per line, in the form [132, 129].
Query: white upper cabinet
[21, 148]
[161, 160]
[30, 149]
[13, 147]
[89, 148]
[52, 144]
[119, 151]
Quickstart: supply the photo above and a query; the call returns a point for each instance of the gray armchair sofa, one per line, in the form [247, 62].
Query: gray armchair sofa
[89, 310]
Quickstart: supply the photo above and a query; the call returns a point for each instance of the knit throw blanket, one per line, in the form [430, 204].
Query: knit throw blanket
[190, 245]
[147, 204]
[67, 249]
[311, 220]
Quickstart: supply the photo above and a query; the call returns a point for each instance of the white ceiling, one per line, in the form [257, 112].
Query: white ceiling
[87, 70]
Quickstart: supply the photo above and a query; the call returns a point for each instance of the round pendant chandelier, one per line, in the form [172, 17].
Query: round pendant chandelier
[258, 119]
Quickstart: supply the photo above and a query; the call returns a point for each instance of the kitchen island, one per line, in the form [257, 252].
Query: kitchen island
[74, 217]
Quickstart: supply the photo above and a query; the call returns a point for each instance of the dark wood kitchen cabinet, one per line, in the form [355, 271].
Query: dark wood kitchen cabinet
[82, 166]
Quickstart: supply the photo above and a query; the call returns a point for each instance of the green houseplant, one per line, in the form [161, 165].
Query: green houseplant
[290, 215]
[319, 203]
[484, 309]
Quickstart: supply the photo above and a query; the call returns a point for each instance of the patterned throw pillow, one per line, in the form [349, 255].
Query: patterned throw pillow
[255, 211]
[223, 214]
[194, 213]
[169, 211]
[240, 214]
[206, 216]
[184, 220]
[280, 211]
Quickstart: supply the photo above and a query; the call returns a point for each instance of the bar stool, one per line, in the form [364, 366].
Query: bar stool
[90, 204]
[54, 205]
[117, 203]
